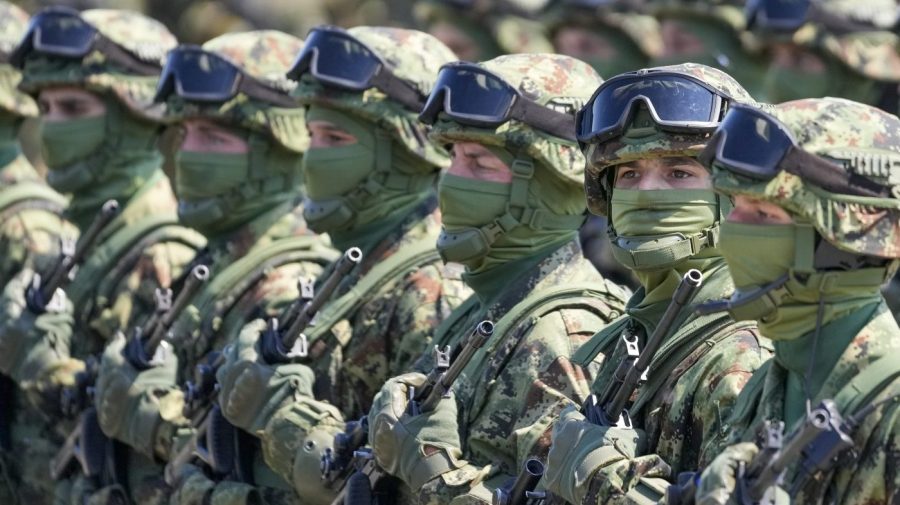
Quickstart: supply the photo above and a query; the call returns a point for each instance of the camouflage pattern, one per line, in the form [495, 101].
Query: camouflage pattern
[502, 394]
[144, 38]
[265, 55]
[693, 383]
[870, 476]
[381, 339]
[13, 22]
[554, 81]
[874, 53]
[414, 57]
[615, 151]
[864, 141]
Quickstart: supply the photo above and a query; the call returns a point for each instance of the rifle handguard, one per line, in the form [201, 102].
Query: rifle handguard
[433, 393]
[521, 489]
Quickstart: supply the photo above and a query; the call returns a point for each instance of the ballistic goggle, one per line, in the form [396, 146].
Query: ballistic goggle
[755, 145]
[471, 95]
[337, 59]
[677, 102]
[776, 15]
[198, 75]
[61, 31]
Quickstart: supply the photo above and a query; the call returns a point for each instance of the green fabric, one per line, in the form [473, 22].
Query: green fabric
[796, 312]
[372, 234]
[489, 284]
[651, 227]
[795, 356]
[783, 84]
[66, 142]
[220, 192]
[9, 142]
[467, 204]
[350, 187]
[626, 57]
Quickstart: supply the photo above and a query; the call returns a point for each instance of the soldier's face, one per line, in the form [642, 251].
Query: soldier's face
[679, 172]
[474, 161]
[750, 210]
[461, 44]
[678, 40]
[582, 43]
[794, 57]
[325, 134]
[65, 103]
[204, 136]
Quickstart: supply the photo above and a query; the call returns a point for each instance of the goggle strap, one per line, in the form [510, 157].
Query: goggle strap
[255, 89]
[545, 119]
[398, 90]
[826, 175]
[123, 57]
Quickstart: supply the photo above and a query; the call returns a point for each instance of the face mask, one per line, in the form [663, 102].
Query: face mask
[66, 142]
[9, 129]
[202, 183]
[653, 227]
[332, 173]
[467, 205]
[749, 269]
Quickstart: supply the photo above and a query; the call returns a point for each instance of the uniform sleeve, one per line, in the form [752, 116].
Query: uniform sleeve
[689, 412]
[535, 381]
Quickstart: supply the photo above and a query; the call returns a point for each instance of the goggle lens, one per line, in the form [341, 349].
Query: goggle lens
[336, 59]
[195, 74]
[466, 93]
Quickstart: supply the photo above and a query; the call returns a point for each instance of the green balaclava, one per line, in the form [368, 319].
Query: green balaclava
[820, 276]
[109, 156]
[219, 193]
[360, 192]
[9, 141]
[501, 230]
[783, 83]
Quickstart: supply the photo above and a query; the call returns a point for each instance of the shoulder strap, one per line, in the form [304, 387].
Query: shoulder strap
[867, 384]
[30, 194]
[602, 343]
[405, 260]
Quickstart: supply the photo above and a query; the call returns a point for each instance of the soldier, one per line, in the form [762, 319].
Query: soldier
[238, 176]
[834, 48]
[370, 175]
[512, 204]
[94, 74]
[827, 218]
[713, 33]
[30, 222]
[478, 30]
[642, 133]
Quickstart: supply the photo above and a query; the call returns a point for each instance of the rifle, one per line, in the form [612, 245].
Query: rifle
[145, 342]
[282, 346]
[358, 488]
[218, 443]
[40, 292]
[522, 489]
[815, 444]
[609, 409]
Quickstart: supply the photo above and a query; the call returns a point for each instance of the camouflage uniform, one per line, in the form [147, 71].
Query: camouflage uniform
[703, 363]
[30, 222]
[855, 362]
[259, 246]
[142, 249]
[378, 321]
[545, 300]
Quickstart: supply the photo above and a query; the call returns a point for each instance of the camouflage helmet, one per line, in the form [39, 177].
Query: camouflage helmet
[266, 56]
[864, 141]
[660, 144]
[13, 22]
[412, 56]
[141, 38]
[860, 35]
[555, 81]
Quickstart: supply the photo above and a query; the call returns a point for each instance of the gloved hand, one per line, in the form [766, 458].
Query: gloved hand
[252, 390]
[718, 483]
[195, 488]
[132, 404]
[581, 451]
[414, 448]
[34, 348]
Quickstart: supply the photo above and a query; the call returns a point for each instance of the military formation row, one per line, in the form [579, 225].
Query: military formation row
[347, 270]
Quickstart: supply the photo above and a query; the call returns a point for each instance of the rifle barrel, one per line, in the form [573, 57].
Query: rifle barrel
[689, 285]
[476, 340]
[198, 276]
[344, 265]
